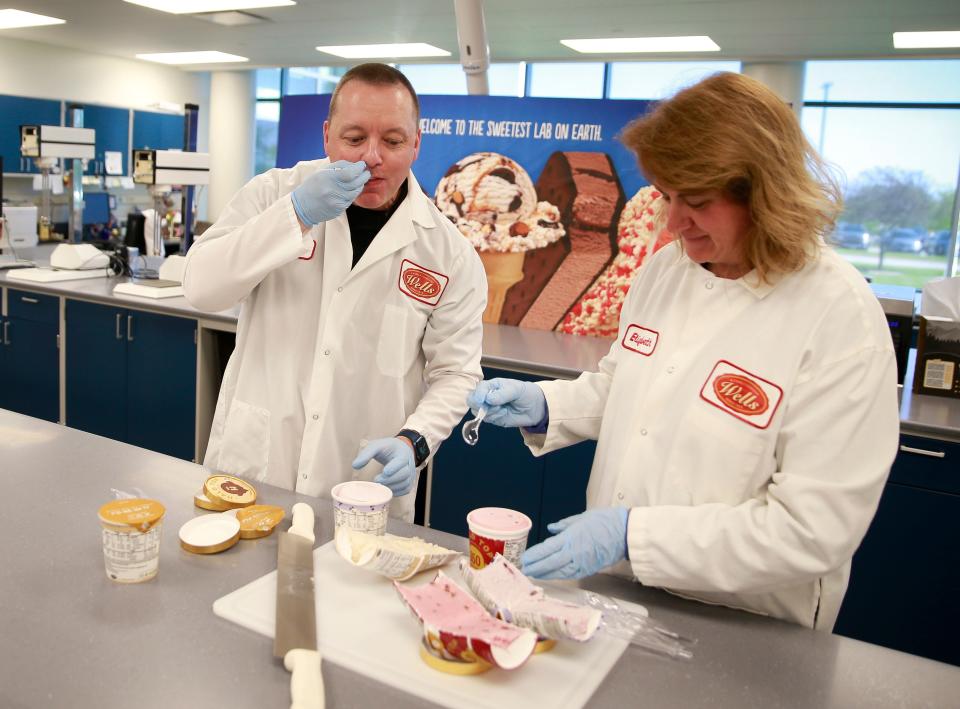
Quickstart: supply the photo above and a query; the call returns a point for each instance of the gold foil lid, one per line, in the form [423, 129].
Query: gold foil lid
[138, 514]
[210, 534]
[226, 489]
[205, 503]
[258, 520]
[452, 667]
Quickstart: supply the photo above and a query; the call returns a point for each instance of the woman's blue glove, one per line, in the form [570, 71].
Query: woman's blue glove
[509, 402]
[584, 544]
[396, 457]
[329, 191]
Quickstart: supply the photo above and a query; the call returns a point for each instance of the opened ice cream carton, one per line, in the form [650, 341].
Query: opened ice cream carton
[457, 630]
[506, 593]
[397, 558]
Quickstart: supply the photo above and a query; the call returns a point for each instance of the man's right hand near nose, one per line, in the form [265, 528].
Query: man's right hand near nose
[329, 191]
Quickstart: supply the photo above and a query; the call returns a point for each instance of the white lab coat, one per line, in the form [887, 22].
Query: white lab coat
[328, 356]
[756, 498]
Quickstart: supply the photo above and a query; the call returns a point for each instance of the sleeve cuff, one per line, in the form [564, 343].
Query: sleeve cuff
[540, 427]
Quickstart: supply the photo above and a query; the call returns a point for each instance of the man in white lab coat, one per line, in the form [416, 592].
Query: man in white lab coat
[746, 415]
[360, 326]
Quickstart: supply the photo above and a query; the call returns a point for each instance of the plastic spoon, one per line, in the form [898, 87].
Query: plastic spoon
[470, 434]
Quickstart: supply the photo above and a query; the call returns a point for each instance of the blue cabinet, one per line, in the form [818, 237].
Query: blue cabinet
[160, 131]
[113, 133]
[905, 579]
[131, 376]
[30, 365]
[14, 112]
[500, 471]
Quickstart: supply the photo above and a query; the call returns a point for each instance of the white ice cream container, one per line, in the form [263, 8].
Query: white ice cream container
[130, 535]
[362, 506]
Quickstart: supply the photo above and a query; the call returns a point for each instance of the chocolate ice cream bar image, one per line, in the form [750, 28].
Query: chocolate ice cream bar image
[585, 188]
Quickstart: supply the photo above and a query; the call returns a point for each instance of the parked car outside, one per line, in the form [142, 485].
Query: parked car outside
[936, 244]
[850, 236]
[906, 240]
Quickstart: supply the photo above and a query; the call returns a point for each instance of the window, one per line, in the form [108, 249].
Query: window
[504, 79]
[566, 79]
[893, 130]
[656, 80]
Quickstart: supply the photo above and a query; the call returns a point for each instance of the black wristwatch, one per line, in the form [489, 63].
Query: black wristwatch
[421, 450]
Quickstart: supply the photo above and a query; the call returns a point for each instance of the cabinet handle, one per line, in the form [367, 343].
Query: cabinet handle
[921, 451]
[25, 299]
[119, 336]
[129, 328]
[6, 332]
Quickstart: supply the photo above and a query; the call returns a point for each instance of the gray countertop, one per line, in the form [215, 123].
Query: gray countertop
[72, 638]
[539, 352]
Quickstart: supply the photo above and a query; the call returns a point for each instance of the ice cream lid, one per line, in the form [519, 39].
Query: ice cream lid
[230, 490]
[258, 520]
[498, 521]
[361, 493]
[210, 534]
[205, 503]
[137, 513]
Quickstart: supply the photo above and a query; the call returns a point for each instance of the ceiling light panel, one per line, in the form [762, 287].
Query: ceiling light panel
[181, 7]
[925, 40]
[205, 57]
[12, 19]
[630, 45]
[384, 51]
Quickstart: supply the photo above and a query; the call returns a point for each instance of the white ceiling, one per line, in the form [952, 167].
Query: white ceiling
[516, 29]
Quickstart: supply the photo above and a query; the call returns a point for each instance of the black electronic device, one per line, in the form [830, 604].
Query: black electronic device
[898, 305]
[134, 237]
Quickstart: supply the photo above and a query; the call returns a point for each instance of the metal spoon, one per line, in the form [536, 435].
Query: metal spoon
[469, 430]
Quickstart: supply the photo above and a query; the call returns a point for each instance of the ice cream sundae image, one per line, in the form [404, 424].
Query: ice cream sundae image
[493, 203]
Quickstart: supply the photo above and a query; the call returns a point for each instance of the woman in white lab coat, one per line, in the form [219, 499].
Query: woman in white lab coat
[746, 415]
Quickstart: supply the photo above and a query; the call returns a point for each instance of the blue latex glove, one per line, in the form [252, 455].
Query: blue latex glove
[329, 191]
[509, 402]
[584, 544]
[396, 457]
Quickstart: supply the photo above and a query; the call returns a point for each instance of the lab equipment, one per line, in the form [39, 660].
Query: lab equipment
[328, 192]
[57, 142]
[471, 428]
[161, 170]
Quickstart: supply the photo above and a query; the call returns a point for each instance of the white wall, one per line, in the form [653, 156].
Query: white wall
[46, 71]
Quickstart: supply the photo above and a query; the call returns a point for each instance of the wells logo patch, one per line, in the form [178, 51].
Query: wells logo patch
[421, 283]
[742, 394]
[640, 340]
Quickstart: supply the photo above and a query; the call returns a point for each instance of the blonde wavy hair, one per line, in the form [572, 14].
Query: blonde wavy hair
[732, 134]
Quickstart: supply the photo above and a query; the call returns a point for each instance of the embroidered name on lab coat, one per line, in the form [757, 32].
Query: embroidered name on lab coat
[420, 283]
[640, 340]
[742, 394]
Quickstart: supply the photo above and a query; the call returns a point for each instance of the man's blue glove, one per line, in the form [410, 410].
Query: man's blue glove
[329, 191]
[584, 544]
[396, 457]
[509, 402]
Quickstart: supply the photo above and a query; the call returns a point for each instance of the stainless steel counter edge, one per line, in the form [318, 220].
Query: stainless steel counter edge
[79, 640]
[538, 352]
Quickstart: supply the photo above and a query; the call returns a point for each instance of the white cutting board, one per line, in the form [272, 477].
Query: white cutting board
[364, 626]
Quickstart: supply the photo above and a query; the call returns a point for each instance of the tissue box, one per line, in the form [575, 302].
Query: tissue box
[938, 357]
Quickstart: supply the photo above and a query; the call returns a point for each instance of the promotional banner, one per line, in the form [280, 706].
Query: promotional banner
[554, 204]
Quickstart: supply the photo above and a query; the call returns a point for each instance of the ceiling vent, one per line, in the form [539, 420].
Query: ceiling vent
[231, 18]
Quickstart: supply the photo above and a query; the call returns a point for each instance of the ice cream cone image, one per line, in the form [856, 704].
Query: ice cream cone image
[503, 270]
